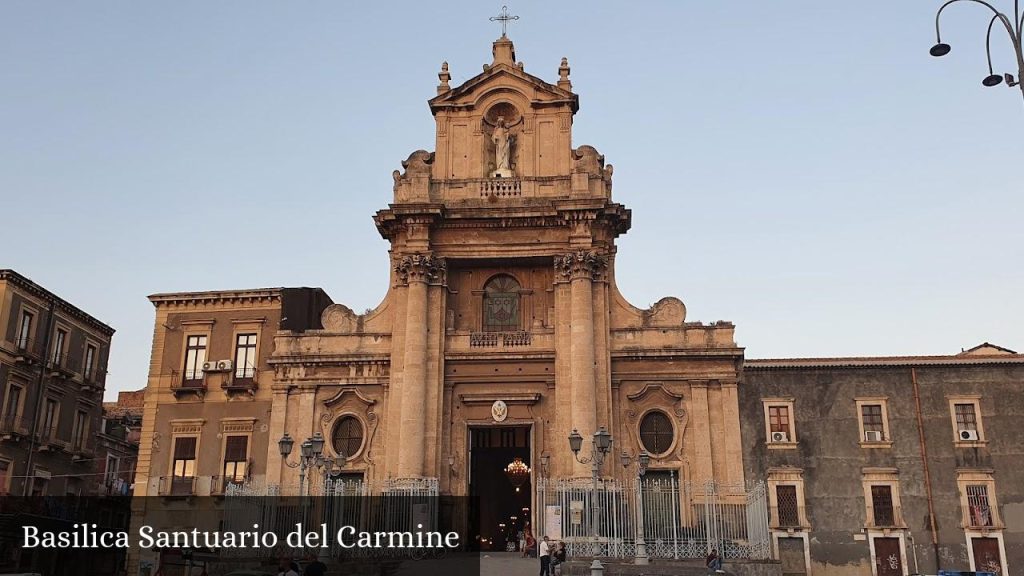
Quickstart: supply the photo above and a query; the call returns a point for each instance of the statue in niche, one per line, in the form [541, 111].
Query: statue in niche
[502, 146]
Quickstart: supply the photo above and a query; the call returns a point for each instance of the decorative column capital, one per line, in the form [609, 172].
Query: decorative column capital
[421, 268]
[585, 264]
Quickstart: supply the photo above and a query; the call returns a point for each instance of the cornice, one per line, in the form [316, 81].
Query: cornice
[60, 304]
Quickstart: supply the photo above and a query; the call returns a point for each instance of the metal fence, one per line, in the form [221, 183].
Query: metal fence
[679, 519]
[392, 505]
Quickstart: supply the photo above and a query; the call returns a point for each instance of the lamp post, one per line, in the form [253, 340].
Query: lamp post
[642, 461]
[311, 455]
[1014, 28]
[601, 445]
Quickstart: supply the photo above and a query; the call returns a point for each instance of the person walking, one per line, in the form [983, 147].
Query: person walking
[544, 552]
[522, 542]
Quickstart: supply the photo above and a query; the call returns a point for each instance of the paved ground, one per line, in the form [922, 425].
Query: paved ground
[508, 564]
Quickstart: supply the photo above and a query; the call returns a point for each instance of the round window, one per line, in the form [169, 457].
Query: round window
[656, 432]
[347, 437]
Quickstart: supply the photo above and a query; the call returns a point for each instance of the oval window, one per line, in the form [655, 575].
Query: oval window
[656, 432]
[347, 437]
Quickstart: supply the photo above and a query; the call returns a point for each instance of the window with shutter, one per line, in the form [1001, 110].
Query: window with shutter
[656, 432]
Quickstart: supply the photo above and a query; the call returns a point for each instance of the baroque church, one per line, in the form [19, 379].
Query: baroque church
[504, 363]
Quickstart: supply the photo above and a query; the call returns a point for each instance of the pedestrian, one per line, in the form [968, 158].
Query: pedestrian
[314, 567]
[558, 558]
[544, 552]
[285, 568]
[714, 562]
[522, 542]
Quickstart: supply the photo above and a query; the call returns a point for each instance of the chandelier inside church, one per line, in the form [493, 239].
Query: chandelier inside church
[518, 472]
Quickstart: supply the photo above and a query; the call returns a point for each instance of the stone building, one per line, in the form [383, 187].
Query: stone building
[890, 466]
[53, 359]
[503, 331]
[117, 443]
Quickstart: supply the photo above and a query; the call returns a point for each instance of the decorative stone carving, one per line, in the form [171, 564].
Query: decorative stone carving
[339, 318]
[580, 264]
[667, 312]
[588, 160]
[499, 411]
[421, 268]
[418, 164]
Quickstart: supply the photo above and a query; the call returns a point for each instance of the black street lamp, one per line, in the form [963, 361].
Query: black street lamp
[1015, 30]
[310, 456]
[601, 445]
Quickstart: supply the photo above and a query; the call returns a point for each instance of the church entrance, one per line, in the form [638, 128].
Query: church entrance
[500, 482]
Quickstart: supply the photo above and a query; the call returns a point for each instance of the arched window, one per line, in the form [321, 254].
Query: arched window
[501, 304]
[347, 436]
[656, 432]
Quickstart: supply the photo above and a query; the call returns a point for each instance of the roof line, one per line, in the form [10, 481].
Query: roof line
[36, 289]
[878, 361]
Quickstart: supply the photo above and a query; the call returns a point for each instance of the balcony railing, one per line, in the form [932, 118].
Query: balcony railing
[28, 348]
[501, 187]
[885, 516]
[177, 486]
[12, 427]
[188, 383]
[243, 379]
[494, 339]
[980, 516]
[63, 364]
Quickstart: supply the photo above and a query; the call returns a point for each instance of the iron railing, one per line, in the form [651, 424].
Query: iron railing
[787, 516]
[14, 426]
[493, 339]
[884, 515]
[177, 486]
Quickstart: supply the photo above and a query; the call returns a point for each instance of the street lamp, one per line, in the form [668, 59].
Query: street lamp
[601, 445]
[1014, 28]
[310, 456]
[642, 461]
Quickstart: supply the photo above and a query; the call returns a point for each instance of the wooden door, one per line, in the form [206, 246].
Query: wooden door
[888, 561]
[986, 555]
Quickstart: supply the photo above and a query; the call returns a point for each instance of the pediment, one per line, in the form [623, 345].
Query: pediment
[503, 78]
[340, 397]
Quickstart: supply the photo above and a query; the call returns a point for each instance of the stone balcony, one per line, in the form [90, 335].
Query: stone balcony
[484, 342]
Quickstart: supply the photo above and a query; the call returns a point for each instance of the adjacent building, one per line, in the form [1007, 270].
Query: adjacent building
[117, 443]
[53, 359]
[890, 466]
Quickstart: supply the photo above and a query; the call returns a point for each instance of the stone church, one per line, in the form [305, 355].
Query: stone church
[503, 333]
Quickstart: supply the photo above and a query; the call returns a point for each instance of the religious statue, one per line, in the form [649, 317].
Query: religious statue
[502, 147]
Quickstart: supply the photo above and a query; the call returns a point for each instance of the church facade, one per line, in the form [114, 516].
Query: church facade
[501, 334]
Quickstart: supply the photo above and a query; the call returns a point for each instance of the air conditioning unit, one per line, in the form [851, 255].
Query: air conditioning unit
[780, 437]
[969, 435]
[872, 435]
[217, 366]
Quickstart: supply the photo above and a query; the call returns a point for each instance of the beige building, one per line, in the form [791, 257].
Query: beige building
[501, 333]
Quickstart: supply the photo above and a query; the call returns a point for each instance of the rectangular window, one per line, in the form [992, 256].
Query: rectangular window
[78, 435]
[778, 419]
[11, 406]
[195, 356]
[49, 430]
[978, 505]
[110, 470]
[245, 356]
[39, 485]
[236, 457]
[58, 346]
[90, 360]
[788, 510]
[25, 329]
[184, 465]
[5, 477]
[966, 418]
[871, 416]
[882, 506]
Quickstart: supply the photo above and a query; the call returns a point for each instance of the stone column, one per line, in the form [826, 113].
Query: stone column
[580, 268]
[417, 272]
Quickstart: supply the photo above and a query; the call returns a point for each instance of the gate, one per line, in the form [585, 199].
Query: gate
[680, 520]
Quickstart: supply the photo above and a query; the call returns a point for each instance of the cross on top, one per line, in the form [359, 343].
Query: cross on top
[504, 18]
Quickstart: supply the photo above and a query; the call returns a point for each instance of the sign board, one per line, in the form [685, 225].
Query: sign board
[576, 512]
[553, 522]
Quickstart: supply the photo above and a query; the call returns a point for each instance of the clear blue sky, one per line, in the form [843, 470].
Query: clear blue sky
[804, 169]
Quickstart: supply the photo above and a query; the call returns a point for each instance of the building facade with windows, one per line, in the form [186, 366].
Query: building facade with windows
[890, 466]
[503, 332]
[53, 359]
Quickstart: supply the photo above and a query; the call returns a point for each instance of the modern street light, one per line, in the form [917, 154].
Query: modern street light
[1014, 28]
[642, 461]
[601, 445]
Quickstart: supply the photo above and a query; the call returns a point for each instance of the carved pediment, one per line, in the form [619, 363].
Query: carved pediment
[348, 391]
[502, 77]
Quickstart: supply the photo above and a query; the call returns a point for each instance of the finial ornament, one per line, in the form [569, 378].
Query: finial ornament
[563, 75]
[444, 77]
[504, 18]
